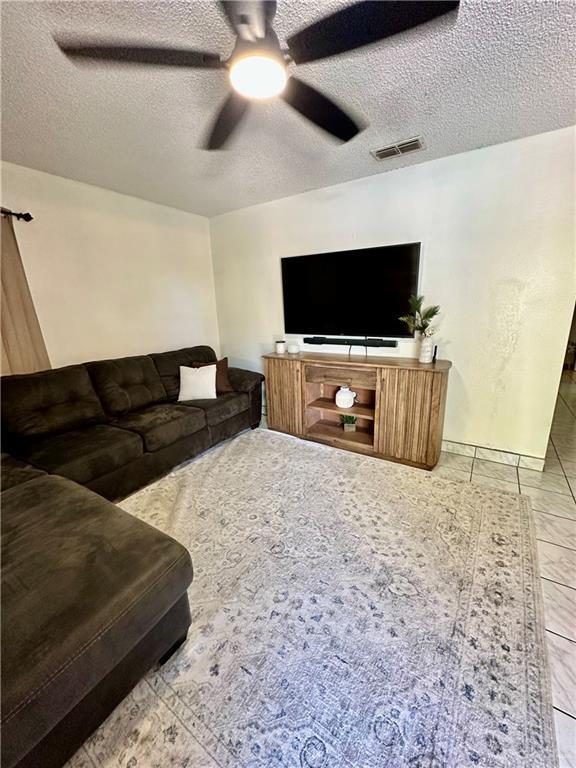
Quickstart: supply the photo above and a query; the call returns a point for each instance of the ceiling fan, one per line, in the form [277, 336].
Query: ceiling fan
[258, 66]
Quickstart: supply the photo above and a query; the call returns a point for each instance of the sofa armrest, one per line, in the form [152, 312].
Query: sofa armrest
[244, 381]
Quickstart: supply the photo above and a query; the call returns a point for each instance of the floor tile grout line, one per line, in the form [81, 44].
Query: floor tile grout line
[491, 477]
[564, 470]
[553, 514]
[559, 635]
[558, 583]
[555, 451]
[543, 487]
[561, 396]
[562, 467]
[553, 543]
[563, 711]
[536, 488]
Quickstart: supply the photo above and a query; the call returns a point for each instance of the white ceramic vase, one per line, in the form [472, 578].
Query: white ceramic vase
[426, 349]
[345, 397]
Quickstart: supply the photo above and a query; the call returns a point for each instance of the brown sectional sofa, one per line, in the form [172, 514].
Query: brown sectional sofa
[92, 597]
[115, 425]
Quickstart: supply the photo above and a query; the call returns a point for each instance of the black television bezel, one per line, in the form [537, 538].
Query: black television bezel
[311, 332]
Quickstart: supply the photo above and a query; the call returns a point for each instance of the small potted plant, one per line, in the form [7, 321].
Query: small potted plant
[420, 321]
[349, 423]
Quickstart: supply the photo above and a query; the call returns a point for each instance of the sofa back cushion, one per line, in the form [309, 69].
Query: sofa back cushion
[127, 383]
[49, 401]
[168, 365]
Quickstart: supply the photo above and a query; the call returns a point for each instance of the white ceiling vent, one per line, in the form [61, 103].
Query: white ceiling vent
[401, 148]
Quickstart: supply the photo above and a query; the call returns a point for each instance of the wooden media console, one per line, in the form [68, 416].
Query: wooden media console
[399, 406]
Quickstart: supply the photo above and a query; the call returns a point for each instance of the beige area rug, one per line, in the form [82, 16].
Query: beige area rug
[346, 613]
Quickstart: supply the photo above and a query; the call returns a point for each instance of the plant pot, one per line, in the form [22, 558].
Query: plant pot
[349, 427]
[426, 350]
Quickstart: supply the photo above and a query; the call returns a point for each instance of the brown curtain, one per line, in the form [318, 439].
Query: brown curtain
[23, 348]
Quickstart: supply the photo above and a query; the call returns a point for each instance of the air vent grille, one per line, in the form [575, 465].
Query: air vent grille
[401, 148]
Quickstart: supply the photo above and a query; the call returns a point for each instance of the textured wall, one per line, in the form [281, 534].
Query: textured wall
[497, 228]
[111, 275]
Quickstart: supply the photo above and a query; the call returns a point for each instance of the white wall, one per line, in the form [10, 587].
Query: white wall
[497, 228]
[111, 275]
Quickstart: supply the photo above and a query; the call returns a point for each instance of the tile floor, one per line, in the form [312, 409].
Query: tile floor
[553, 497]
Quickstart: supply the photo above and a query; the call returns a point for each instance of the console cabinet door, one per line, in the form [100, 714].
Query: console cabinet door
[284, 395]
[404, 415]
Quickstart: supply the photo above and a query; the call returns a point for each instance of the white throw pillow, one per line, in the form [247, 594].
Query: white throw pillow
[197, 383]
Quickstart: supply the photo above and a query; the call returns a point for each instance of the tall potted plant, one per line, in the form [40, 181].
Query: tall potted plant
[420, 321]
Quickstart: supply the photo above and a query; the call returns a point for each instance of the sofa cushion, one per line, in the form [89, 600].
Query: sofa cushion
[127, 383]
[162, 425]
[222, 381]
[223, 384]
[13, 472]
[49, 401]
[168, 365]
[222, 408]
[244, 381]
[82, 455]
[197, 383]
[83, 582]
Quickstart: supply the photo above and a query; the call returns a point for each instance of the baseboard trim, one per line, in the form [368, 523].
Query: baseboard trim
[492, 454]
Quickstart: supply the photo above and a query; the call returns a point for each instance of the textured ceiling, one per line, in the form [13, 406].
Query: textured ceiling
[498, 71]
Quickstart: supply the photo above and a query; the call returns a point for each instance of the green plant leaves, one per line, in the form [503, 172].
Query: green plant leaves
[419, 319]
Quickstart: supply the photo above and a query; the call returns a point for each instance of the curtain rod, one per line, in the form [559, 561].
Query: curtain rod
[23, 216]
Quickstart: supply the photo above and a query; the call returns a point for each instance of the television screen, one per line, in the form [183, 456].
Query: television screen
[350, 293]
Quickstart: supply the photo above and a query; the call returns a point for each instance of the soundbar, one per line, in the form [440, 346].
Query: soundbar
[339, 340]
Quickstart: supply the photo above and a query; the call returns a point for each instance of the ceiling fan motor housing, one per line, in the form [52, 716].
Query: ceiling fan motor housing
[266, 46]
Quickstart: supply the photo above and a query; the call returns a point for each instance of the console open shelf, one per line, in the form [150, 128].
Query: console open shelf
[361, 410]
[332, 430]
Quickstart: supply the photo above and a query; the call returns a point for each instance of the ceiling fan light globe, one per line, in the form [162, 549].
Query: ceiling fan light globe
[258, 76]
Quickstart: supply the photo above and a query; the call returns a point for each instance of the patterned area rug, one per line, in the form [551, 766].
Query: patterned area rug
[347, 613]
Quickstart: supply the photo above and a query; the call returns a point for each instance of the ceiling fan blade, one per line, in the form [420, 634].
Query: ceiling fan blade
[361, 24]
[125, 53]
[249, 19]
[227, 120]
[319, 109]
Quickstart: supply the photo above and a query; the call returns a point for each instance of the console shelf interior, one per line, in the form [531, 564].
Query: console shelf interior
[333, 430]
[358, 409]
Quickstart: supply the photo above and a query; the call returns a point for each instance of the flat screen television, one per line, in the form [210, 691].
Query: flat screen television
[361, 292]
